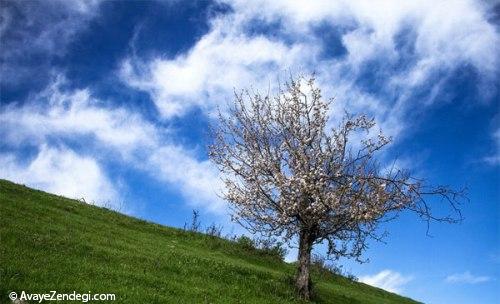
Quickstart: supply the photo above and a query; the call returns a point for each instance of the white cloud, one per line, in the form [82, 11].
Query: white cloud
[62, 171]
[197, 180]
[466, 278]
[55, 112]
[206, 75]
[443, 37]
[449, 30]
[77, 115]
[387, 279]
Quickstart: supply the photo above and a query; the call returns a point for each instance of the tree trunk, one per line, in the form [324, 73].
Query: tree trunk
[303, 279]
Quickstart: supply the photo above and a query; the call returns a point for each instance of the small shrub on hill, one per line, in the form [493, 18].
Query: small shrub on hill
[321, 265]
[263, 246]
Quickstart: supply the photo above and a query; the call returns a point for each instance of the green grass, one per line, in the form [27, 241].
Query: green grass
[48, 242]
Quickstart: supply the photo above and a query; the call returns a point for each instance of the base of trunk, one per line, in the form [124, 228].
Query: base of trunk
[303, 287]
[303, 279]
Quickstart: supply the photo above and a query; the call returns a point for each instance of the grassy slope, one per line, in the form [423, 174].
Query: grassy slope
[49, 242]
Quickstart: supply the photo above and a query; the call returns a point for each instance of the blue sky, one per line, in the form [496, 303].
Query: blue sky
[110, 101]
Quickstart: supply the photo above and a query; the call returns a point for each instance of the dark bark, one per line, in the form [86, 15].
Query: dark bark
[303, 279]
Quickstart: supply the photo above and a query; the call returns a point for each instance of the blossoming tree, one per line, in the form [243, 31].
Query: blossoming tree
[288, 174]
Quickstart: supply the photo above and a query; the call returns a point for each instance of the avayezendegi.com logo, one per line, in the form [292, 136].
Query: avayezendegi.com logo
[53, 295]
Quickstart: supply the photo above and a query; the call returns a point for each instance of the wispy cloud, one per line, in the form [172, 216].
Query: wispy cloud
[198, 180]
[219, 62]
[466, 278]
[75, 115]
[387, 279]
[412, 52]
[64, 172]
[67, 113]
[494, 158]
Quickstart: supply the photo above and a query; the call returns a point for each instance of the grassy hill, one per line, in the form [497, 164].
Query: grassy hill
[48, 242]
